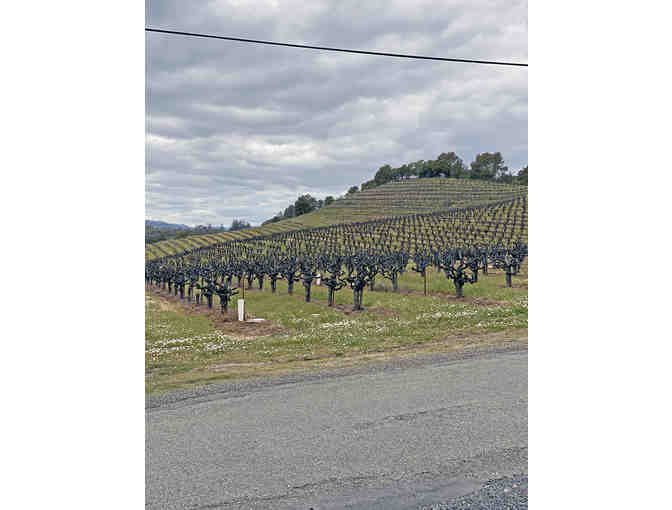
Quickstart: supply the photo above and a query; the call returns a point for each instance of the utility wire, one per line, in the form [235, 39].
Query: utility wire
[325, 48]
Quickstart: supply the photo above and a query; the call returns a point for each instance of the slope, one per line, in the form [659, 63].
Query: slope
[412, 196]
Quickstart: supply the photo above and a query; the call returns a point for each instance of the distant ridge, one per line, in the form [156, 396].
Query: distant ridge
[163, 224]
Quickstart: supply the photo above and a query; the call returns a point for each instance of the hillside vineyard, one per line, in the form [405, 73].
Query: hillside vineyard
[404, 198]
[459, 242]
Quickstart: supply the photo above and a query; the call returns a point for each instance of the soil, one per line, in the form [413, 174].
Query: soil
[225, 322]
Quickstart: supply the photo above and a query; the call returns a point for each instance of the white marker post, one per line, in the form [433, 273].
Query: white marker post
[241, 310]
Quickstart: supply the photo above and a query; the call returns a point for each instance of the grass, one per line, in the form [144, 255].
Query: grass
[185, 348]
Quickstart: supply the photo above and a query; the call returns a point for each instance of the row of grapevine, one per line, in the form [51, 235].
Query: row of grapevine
[459, 242]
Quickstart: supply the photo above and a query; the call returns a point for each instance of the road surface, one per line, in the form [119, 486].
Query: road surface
[397, 437]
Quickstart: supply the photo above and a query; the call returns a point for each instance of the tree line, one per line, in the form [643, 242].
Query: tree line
[487, 166]
[303, 205]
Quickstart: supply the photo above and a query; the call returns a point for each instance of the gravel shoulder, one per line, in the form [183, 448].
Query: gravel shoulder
[507, 493]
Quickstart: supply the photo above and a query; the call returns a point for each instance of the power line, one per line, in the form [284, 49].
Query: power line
[325, 48]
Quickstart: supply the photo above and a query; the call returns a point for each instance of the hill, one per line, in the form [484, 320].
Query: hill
[411, 196]
[168, 226]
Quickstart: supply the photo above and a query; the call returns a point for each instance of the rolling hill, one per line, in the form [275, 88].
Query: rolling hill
[412, 196]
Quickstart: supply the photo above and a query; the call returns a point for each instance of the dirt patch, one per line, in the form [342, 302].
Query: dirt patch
[227, 323]
[163, 304]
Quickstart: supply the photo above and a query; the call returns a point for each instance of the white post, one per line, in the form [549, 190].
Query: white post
[319, 279]
[241, 310]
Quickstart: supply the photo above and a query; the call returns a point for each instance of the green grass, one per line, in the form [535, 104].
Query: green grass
[183, 348]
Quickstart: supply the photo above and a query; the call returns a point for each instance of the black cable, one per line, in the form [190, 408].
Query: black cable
[239, 39]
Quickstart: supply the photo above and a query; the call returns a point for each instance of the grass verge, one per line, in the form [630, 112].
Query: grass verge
[186, 345]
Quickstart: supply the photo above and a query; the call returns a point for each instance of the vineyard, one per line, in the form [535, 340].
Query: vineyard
[344, 289]
[460, 243]
[408, 197]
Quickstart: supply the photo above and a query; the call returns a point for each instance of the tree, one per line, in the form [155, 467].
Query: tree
[352, 190]
[507, 179]
[521, 178]
[239, 225]
[428, 169]
[305, 204]
[403, 172]
[329, 200]
[488, 166]
[449, 165]
[416, 168]
[290, 212]
[384, 175]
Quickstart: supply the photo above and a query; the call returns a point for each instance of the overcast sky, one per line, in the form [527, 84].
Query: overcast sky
[236, 130]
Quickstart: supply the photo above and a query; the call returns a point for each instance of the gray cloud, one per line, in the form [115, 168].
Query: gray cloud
[239, 130]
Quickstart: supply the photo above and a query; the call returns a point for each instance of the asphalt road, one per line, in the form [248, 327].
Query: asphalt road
[401, 437]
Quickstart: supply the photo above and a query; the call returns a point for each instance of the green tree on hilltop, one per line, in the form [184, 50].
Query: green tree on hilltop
[488, 166]
[305, 204]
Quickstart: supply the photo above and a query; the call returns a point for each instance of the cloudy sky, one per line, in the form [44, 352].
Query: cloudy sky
[236, 130]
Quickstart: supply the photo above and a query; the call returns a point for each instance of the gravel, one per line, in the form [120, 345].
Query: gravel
[508, 493]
